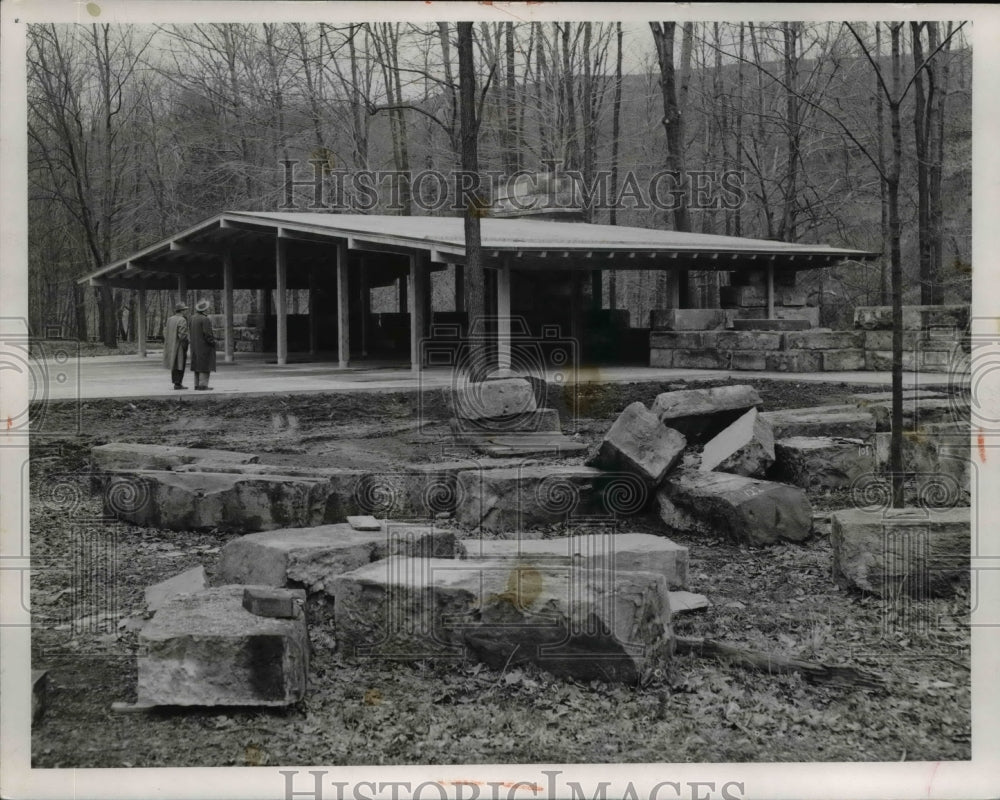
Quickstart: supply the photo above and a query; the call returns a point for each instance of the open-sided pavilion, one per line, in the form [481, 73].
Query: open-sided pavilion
[343, 256]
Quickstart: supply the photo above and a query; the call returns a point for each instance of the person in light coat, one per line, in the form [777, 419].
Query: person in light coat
[175, 345]
[202, 346]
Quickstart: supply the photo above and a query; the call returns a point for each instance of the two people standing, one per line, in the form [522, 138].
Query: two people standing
[179, 334]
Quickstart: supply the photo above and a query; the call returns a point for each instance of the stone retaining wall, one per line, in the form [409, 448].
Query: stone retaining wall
[932, 342]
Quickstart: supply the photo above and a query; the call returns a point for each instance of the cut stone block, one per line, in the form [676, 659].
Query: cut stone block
[870, 398]
[365, 523]
[130, 456]
[188, 582]
[742, 296]
[490, 399]
[512, 445]
[843, 360]
[700, 359]
[882, 340]
[638, 443]
[267, 601]
[662, 358]
[744, 509]
[795, 361]
[686, 319]
[541, 420]
[937, 458]
[225, 501]
[535, 496]
[681, 602]
[744, 448]
[636, 552]
[312, 557]
[787, 296]
[700, 414]
[771, 324]
[677, 340]
[205, 649]
[844, 421]
[821, 463]
[591, 625]
[909, 551]
[918, 412]
[820, 339]
[914, 317]
[745, 340]
[747, 360]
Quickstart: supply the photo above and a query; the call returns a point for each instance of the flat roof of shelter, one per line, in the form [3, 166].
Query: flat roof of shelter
[521, 243]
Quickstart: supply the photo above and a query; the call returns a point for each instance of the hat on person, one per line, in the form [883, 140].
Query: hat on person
[180, 307]
[202, 306]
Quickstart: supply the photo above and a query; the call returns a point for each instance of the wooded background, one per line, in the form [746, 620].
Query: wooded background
[856, 135]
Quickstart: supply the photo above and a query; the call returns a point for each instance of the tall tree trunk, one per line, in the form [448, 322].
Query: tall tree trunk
[921, 126]
[885, 285]
[616, 118]
[788, 215]
[512, 153]
[935, 202]
[895, 228]
[475, 300]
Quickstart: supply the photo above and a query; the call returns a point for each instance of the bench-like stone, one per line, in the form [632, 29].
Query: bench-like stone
[743, 509]
[534, 496]
[892, 551]
[845, 421]
[127, 456]
[590, 625]
[637, 442]
[225, 501]
[312, 557]
[700, 414]
[205, 649]
[624, 552]
[869, 398]
[505, 397]
[744, 448]
[821, 463]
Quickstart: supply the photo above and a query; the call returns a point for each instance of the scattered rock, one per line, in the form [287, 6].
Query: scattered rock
[821, 463]
[187, 582]
[744, 509]
[918, 552]
[365, 523]
[583, 625]
[205, 649]
[638, 443]
[311, 557]
[700, 414]
[624, 552]
[744, 448]
[681, 602]
[507, 397]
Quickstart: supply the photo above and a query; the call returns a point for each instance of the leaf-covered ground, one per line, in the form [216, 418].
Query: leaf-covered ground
[778, 599]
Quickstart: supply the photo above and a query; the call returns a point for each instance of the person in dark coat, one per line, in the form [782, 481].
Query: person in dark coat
[202, 346]
[175, 345]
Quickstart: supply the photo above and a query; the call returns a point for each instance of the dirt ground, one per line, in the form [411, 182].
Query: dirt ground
[780, 599]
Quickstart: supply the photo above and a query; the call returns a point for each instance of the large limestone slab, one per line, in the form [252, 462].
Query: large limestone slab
[700, 414]
[744, 448]
[535, 496]
[590, 625]
[911, 551]
[187, 582]
[920, 411]
[506, 397]
[869, 398]
[636, 552]
[842, 420]
[686, 319]
[771, 324]
[637, 442]
[312, 557]
[824, 339]
[822, 463]
[129, 455]
[512, 445]
[541, 420]
[744, 509]
[915, 318]
[224, 501]
[205, 649]
[938, 460]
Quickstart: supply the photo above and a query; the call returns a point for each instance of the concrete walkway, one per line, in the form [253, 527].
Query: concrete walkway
[88, 378]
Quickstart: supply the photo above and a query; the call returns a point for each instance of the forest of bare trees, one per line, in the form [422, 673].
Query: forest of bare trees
[851, 134]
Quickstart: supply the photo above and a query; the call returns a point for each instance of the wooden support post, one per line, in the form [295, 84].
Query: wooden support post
[182, 288]
[459, 287]
[140, 322]
[401, 287]
[227, 305]
[343, 309]
[313, 319]
[770, 289]
[575, 328]
[418, 309]
[281, 299]
[363, 306]
[503, 316]
[596, 290]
